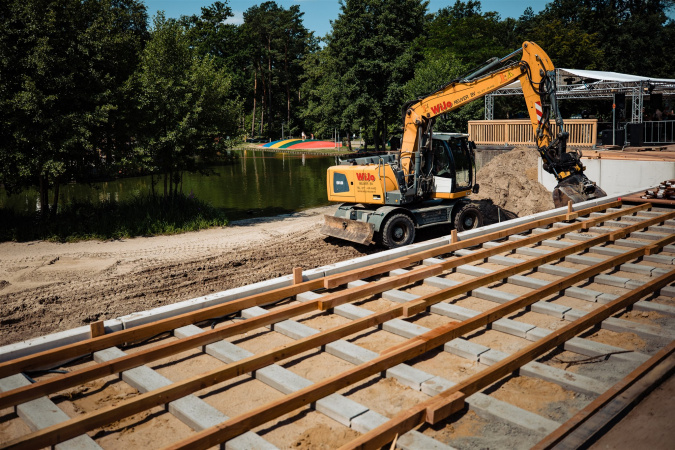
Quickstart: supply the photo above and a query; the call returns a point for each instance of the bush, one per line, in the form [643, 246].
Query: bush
[141, 216]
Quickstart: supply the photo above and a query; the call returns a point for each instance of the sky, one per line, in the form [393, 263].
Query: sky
[319, 13]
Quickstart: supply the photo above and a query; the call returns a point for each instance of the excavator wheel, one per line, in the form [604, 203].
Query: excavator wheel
[398, 230]
[468, 217]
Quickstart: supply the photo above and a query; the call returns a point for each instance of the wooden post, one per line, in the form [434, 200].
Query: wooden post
[453, 236]
[571, 215]
[97, 329]
[297, 275]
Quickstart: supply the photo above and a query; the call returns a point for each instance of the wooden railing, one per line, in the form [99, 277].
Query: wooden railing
[583, 132]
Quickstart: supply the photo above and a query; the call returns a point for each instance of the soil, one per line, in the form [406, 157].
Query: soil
[510, 181]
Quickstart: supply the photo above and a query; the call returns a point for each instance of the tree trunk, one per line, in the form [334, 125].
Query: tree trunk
[255, 91]
[44, 192]
[56, 197]
[288, 89]
[349, 140]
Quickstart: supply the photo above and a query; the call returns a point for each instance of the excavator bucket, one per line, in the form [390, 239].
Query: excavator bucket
[577, 188]
[347, 229]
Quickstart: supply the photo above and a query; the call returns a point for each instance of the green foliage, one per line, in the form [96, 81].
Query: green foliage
[142, 216]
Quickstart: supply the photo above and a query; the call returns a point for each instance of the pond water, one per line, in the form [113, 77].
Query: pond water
[258, 183]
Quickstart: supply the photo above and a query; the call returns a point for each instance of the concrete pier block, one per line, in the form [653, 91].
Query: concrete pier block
[637, 268]
[492, 356]
[517, 237]
[493, 295]
[605, 298]
[453, 311]
[440, 283]
[349, 352]
[550, 309]
[283, 380]
[564, 378]
[617, 224]
[540, 230]
[662, 229]
[367, 421]
[537, 333]
[669, 248]
[611, 280]
[463, 252]
[356, 283]
[396, 272]
[492, 244]
[414, 440]
[585, 260]
[647, 235]
[254, 311]
[642, 330]
[491, 408]
[580, 236]
[529, 251]
[475, 271]
[661, 259]
[436, 385]
[574, 314]
[340, 408]
[351, 312]
[559, 271]
[400, 327]
[505, 260]
[655, 307]
[432, 261]
[601, 230]
[528, 282]
[394, 295]
[512, 327]
[307, 296]
[582, 294]
[629, 243]
[409, 376]
[607, 251]
[668, 291]
[556, 244]
[588, 347]
[465, 349]
[293, 329]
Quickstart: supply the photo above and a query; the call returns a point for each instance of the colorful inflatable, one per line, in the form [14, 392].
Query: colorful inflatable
[300, 144]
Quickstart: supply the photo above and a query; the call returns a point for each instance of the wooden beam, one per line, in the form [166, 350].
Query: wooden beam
[406, 420]
[297, 275]
[660, 365]
[96, 329]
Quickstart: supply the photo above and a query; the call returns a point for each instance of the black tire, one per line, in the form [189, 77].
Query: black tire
[468, 217]
[398, 230]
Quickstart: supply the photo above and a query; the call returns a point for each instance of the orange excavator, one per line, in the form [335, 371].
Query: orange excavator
[386, 198]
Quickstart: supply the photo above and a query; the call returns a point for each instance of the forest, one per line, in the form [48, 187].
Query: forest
[94, 88]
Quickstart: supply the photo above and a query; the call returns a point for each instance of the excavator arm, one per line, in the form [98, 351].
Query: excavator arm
[535, 71]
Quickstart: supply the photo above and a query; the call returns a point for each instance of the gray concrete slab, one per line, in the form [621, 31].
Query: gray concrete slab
[550, 309]
[463, 252]
[585, 260]
[350, 352]
[493, 295]
[528, 282]
[436, 385]
[530, 251]
[409, 376]
[611, 280]
[505, 260]
[403, 328]
[647, 235]
[432, 261]
[661, 259]
[340, 408]
[588, 347]
[351, 312]
[465, 349]
[453, 311]
[556, 270]
[608, 251]
[556, 244]
[668, 291]
[630, 243]
[397, 296]
[294, 329]
[512, 327]
[637, 268]
[475, 271]
[440, 283]
[642, 330]
[568, 380]
[588, 295]
[491, 408]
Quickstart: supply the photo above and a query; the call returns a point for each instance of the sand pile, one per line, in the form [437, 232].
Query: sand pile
[510, 181]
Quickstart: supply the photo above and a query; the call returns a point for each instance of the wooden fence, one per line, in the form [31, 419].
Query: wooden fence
[583, 132]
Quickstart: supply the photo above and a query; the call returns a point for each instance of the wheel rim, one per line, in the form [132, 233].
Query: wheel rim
[399, 232]
[470, 220]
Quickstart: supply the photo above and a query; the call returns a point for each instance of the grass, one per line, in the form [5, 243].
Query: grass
[141, 216]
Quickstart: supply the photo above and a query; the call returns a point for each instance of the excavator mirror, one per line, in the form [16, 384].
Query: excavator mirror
[475, 188]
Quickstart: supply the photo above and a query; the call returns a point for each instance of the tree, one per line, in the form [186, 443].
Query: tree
[186, 104]
[370, 54]
[60, 65]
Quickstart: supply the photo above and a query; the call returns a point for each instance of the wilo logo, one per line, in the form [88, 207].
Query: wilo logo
[365, 177]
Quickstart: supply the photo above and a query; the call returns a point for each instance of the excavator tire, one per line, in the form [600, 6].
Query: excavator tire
[468, 217]
[398, 230]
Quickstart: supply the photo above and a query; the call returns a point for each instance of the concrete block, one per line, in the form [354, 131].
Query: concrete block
[655, 307]
[588, 347]
[651, 214]
[402, 328]
[248, 441]
[196, 413]
[601, 230]
[661, 259]
[307, 296]
[528, 282]
[647, 235]
[283, 380]
[607, 251]
[568, 380]
[492, 244]
[556, 244]
[637, 268]
[436, 385]
[574, 314]
[493, 295]
[662, 229]
[409, 376]
[367, 421]
[475, 271]
[42, 413]
[465, 349]
[550, 309]
[394, 295]
[351, 312]
[512, 327]
[605, 298]
[556, 270]
[453, 311]
[642, 330]
[491, 357]
[505, 260]
[414, 440]
[529, 251]
[350, 352]
[42, 343]
[440, 283]
[580, 236]
[517, 237]
[294, 329]
[463, 252]
[668, 291]
[658, 272]
[491, 409]
[254, 311]
[629, 243]
[669, 248]
[432, 261]
[227, 351]
[537, 333]
[617, 224]
[356, 283]
[540, 230]
[141, 378]
[585, 260]
[635, 284]
[611, 280]
[340, 408]
[396, 272]
[582, 294]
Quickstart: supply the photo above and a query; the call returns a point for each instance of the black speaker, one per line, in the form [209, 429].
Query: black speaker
[636, 134]
[656, 101]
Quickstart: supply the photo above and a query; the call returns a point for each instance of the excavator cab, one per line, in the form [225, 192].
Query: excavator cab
[452, 164]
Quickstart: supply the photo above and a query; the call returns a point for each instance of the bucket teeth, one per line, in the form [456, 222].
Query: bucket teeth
[347, 229]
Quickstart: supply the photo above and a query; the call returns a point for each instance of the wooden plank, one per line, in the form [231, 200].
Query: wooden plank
[97, 329]
[585, 416]
[74, 350]
[297, 275]
[473, 384]
[376, 269]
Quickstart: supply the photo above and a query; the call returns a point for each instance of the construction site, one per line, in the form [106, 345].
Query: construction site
[528, 304]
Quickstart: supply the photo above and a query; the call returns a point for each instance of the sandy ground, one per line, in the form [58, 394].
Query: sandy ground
[47, 287]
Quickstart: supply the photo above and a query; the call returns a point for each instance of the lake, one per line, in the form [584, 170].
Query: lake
[257, 184]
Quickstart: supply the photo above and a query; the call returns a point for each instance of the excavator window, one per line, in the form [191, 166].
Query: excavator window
[461, 156]
[442, 164]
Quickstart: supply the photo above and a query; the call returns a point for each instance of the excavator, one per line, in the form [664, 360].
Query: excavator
[386, 198]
